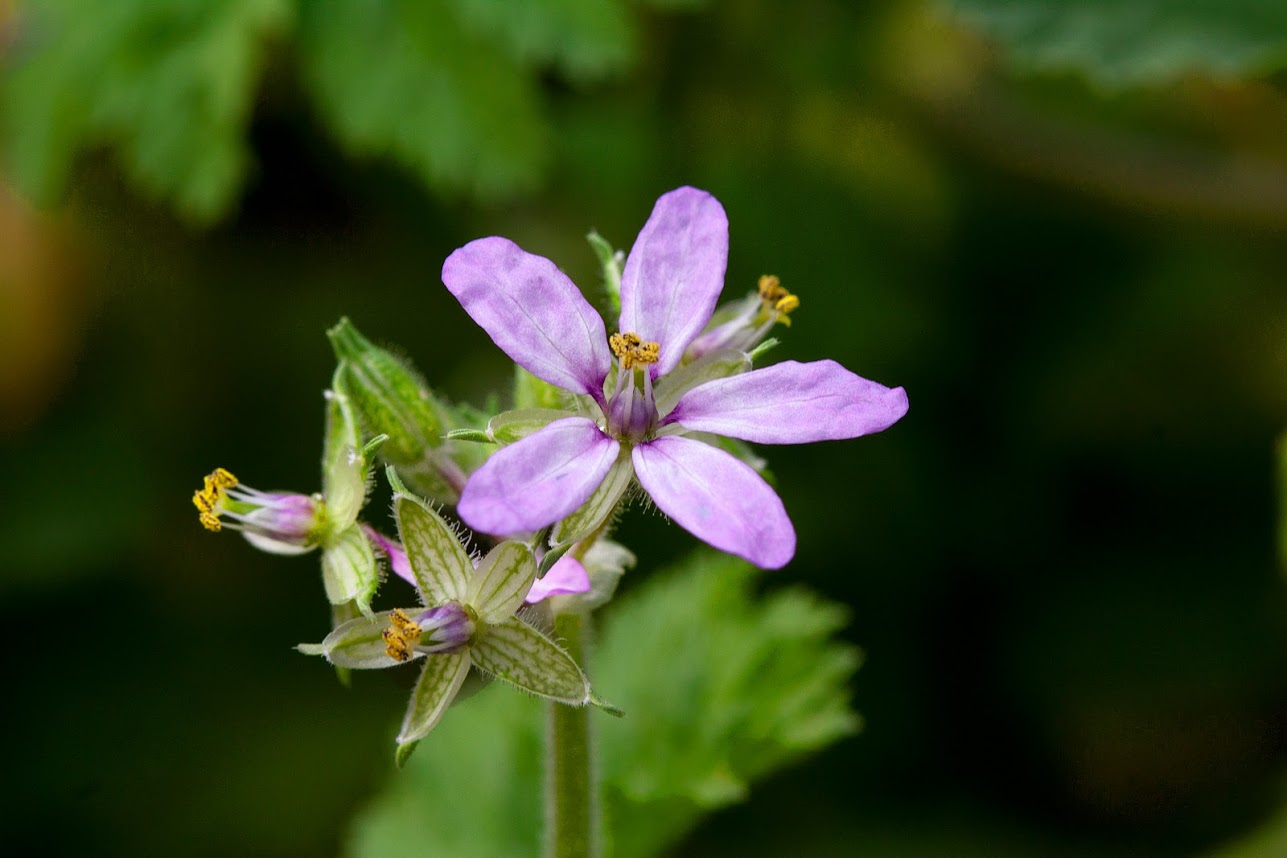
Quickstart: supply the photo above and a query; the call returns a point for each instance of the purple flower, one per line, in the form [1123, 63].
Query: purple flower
[647, 414]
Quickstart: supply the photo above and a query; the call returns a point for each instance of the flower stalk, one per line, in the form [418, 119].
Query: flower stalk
[573, 822]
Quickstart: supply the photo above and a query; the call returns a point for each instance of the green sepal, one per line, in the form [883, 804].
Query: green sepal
[341, 614]
[404, 752]
[612, 262]
[515, 652]
[533, 392]
[442, 568]
[721, 363]
[605, 562]
[349, 569]
[597, 509]
[435, 689]
[510, 426]
[503, 579]
[476, 436]
[358, 643]
[344, 474]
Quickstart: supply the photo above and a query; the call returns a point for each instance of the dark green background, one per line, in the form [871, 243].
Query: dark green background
[1061, 564]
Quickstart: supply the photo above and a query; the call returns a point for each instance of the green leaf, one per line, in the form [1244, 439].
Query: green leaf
[612, 262]
[587, 39]
[408, 81]
[438, 560]
[439, 681]
[503, 578]
[729, 688]
[721, 689]
[522, 656]
[1136, 42]
[167, 85]
[532, 393]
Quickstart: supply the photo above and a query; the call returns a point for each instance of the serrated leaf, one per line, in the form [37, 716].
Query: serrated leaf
[721, 687]
[522, 656]
[438, 560]
[167, 85]
[504, 576]
[1137, 42]
[439, 681]
[406, 80]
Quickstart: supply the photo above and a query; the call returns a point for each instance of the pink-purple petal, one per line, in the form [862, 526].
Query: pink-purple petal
[717, 498]
[791, 403]
[675, 272]
[532, 311]
[538, 480]
[566, 577]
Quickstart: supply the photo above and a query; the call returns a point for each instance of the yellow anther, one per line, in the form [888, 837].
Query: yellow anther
[210, 522]
[202, 502]
[210, 497]
[402, 634]
[223, 478]
[632, 351]
[776, 298]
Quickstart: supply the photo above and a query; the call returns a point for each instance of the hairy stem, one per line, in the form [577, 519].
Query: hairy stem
[572, 818]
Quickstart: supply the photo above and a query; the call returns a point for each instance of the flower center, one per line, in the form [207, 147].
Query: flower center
[446, 628]
[632, 351]
[632, 412]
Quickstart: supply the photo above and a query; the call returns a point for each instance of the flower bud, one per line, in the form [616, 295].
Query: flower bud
[277, 522]
[390, 399]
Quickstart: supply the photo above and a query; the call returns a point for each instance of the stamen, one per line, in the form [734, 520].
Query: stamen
[776, 298]
[632, 351]
[209, 499]
[401, 636]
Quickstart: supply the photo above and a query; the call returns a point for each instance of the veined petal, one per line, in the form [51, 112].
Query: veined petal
[791, 403]
[439, 681]
[522, 656]
[532, 311]
[439, 562]
[674, 273]
[566, 577]
[538, 480]
[504, 576]
[717, 498]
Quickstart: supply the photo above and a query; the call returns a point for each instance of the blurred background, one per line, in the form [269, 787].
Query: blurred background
[1059, 225]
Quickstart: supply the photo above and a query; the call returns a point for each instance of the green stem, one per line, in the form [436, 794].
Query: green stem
[572, 818]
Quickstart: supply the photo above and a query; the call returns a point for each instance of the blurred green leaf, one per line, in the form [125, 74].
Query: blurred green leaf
[585, 38]
[1137, 42]
[167, 85]
[409, 81]
[719, 688]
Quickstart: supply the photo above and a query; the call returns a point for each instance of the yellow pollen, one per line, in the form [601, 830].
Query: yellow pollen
[210, 497]
[632, 351]
[402, 634]
[777, 298]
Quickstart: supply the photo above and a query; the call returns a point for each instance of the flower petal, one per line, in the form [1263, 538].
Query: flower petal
[521, 655]
[538, 480]
[675, 272]
[504, 576]
[566, 577]
[791, 403]
[532, 311]
[439, 681]
[716, 498]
